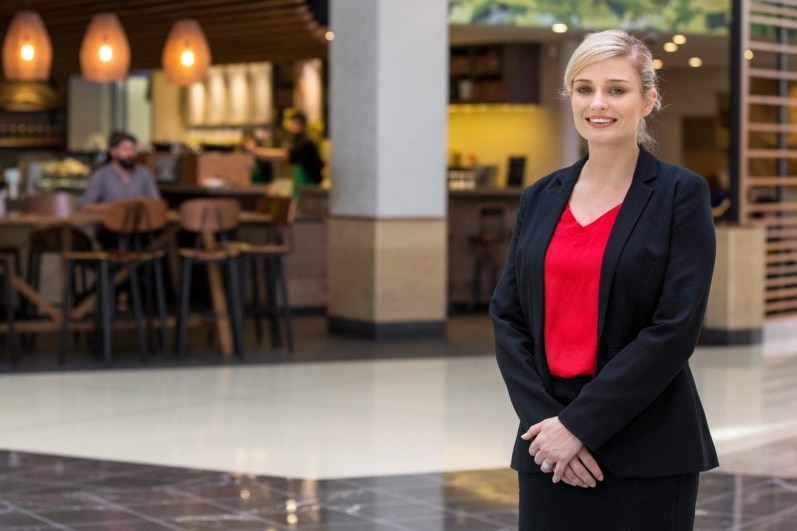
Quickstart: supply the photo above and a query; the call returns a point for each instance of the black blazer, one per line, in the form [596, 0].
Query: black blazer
[640, 415]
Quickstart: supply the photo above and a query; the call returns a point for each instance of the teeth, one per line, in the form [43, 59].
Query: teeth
[601, 120]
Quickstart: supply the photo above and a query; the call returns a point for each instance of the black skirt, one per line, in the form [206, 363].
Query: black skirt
[616, 504]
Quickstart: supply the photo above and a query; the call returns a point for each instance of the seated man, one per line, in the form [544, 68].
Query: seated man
[119, 178]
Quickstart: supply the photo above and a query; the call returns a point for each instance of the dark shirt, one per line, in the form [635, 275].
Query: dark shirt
[106, 185]
[305, 153]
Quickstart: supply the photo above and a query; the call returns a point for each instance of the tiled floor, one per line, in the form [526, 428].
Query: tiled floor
[406, 436]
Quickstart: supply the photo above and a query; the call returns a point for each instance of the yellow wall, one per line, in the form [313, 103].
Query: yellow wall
[493, 133]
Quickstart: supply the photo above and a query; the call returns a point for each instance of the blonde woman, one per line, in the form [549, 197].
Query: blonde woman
[599, 309]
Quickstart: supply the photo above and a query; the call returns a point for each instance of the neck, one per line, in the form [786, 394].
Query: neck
[124, 172]
[611, 165]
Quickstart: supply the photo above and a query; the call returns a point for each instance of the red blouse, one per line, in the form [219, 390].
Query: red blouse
[572, 275]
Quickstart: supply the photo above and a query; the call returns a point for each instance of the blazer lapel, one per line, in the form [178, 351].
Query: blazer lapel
[552, 203]
[632, 207]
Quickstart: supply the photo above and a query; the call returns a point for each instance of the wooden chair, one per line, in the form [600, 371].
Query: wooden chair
[5, 271]
[211, 221]
[270, 255]
[136, 222]
[50, 239]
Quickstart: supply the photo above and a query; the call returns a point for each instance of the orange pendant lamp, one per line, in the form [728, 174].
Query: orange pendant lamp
[27, 52]
[186, 55]
[105, 52]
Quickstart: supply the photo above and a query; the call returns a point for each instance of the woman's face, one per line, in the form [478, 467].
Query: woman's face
[608, 103]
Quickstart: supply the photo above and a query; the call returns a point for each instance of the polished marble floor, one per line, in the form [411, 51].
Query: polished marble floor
[343, 435]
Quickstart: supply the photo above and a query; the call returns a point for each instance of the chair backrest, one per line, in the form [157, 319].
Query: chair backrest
[491, 220]
[209, 215]
[153, 214]
[282, 210]
[60, 204]
[122, 216]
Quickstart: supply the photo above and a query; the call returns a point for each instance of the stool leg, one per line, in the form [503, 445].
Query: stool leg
[12, 338]
[252, 262]
[135, 294]
[234, 306]
[108, 302]
[286, 307]
[271, 301]
[182, 309]
[160, 296]
[66, 306]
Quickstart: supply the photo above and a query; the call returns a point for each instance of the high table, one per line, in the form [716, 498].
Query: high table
[54, 315]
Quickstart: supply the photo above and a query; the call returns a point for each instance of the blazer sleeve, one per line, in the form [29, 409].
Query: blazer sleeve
[641, 370]
[514, 344]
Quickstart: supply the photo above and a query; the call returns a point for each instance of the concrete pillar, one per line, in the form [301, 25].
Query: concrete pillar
[735, 312]
[387, 219]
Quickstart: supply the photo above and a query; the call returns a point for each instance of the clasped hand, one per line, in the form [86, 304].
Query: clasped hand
[572, 462]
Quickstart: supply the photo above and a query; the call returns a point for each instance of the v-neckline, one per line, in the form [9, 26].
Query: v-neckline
[583, 226]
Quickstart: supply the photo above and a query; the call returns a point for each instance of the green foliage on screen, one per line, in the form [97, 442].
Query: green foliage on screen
[687, 16]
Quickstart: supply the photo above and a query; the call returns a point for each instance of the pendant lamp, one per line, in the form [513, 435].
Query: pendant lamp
[104, 53]
[186, 55]
[27, 52]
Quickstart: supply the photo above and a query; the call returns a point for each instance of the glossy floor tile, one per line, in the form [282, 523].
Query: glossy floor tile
[366, 429]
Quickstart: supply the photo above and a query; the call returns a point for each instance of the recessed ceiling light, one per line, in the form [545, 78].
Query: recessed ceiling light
[670, 47]
[679, 39]
[658, 64]
[559, 28]
[695, 62]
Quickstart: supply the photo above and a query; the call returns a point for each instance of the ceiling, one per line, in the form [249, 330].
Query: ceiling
[237, 31]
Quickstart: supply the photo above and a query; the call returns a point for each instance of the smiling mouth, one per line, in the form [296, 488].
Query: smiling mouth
[601, 120]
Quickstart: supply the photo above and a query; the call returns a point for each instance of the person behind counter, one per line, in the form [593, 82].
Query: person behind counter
[598, 311]
[262, 171]
[302, 153]
[119, 178]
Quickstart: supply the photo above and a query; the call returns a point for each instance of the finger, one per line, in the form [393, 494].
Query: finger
[558, 472]
[539, 459]
[583, 474]
[531, 432]
[586, 458]
[571, 478]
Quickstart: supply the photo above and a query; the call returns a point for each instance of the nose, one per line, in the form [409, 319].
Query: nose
[597, 101]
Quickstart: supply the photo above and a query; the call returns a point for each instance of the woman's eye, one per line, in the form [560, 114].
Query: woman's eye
[583, 90]
[617, 91]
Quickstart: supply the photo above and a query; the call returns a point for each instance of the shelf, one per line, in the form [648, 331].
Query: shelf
[27, 142]
[494, 73]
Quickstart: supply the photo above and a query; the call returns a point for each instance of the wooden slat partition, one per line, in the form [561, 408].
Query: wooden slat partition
[768, 142]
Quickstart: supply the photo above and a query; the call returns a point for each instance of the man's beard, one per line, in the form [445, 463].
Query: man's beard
[126, 163]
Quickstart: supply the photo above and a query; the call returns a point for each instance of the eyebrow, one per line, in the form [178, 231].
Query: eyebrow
[582, 80]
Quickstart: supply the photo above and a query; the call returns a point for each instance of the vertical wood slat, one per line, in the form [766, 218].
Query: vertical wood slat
[757, 127]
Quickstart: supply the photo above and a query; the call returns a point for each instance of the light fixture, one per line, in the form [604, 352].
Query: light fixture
[658, 64]
[748, 54]
[559, 28]
[186, 55]
[695, 62]
[679, 39]
[104, 53]
[670, 47]
[27, 52]
[330, 35]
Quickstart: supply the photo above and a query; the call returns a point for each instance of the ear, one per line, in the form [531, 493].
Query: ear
[650, 102]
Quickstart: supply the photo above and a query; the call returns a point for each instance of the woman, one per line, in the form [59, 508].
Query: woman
[598, 311]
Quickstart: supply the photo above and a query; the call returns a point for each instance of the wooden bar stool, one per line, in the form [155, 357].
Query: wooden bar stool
[211, 220]
[282, 211]
[487, 245]
[135, 222]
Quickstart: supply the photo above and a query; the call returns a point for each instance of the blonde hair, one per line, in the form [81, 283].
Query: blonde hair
[617, 43]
